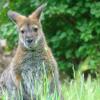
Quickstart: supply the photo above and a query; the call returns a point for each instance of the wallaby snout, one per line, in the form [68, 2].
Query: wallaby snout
[29, 41]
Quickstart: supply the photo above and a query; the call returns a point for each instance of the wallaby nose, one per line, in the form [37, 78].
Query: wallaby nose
[29, 41]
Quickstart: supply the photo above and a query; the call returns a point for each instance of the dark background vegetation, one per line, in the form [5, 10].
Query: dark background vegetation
[72, 29]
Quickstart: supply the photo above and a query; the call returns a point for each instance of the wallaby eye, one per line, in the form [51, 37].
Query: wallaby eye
[22, 31]
[35, 28]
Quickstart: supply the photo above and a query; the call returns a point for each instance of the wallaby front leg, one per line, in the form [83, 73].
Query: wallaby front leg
[16, 76]
[18, 80]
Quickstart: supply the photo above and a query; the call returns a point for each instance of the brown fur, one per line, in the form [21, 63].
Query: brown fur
[29, 59]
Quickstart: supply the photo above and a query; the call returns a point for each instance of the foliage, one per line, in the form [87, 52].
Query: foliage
[72, 28]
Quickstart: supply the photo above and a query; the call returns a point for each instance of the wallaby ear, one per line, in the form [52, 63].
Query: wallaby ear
[38, 11]
[14, 16]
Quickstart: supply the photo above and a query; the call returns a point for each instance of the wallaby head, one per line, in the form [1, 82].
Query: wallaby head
[30, 30]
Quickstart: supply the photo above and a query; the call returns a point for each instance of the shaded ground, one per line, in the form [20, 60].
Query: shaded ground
[5, 58]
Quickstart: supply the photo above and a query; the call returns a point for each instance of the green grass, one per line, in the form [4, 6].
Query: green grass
[82, 90]
[76, 90]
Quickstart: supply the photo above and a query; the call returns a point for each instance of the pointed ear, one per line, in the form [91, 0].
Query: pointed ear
[38, 11]
[14, 16]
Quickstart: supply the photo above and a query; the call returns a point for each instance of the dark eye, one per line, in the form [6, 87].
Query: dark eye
[22, 31]
[35, 29]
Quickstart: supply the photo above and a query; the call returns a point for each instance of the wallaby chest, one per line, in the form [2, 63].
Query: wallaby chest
[34, 68]
[33, 63]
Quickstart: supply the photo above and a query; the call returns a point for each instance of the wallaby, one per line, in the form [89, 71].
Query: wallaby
[33, 59]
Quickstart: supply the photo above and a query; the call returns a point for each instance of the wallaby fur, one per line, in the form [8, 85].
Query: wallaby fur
[33, 58]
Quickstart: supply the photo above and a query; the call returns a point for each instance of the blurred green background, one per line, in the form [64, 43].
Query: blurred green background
[72, 29]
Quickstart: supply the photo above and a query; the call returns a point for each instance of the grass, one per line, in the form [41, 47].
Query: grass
[82, 90]
[76, 90]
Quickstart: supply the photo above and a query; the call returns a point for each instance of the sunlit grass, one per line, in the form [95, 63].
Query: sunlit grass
[82, 90]
[74, 90]
[77, 89]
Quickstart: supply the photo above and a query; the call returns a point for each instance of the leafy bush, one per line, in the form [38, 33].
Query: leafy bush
[72, 28]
